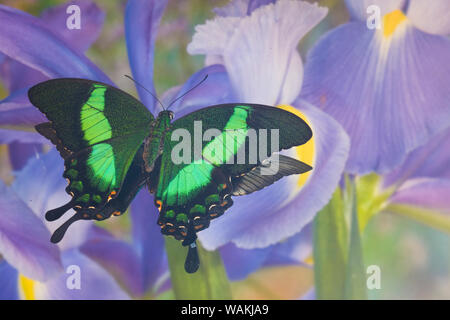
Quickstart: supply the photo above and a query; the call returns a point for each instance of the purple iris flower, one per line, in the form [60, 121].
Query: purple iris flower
[247, 61]
[387, 86]
[251, 56]
[423, 180]
[28, 258]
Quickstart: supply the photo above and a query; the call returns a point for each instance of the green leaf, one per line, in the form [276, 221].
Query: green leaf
[209, 282]
[330, 249]
[355, 277]
[338, 261]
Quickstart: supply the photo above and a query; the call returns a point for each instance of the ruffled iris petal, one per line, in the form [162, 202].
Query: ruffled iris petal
[95, 282]
[240, 8]
[141, 21]
[259, 51]
[25, 239]
[430, 16]
[387, 90]
[284, 208]
[234, 8]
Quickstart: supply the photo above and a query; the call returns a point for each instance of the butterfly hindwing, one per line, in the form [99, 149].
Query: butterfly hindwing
[98, 130]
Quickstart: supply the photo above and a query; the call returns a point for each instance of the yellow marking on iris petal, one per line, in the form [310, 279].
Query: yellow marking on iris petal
[27, 287]
[305, 152]
[309, 260]
[391, 21]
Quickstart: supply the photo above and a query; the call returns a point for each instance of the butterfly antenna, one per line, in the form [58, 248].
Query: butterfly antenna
[191, 89]
[140, 85]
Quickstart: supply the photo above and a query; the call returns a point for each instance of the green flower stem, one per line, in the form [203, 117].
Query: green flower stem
[338, 261]
[330, 254]
[429, 217]
[209, 282]
[355, 277]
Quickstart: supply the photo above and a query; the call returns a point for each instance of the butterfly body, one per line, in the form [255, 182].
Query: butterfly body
[154, 143]
[112, 146]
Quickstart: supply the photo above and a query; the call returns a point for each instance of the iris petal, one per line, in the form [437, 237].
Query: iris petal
[293, 250]
[40, 184]
[116, 256]
[16, 110]
[431, 160]
[431, 17]
[427, 193]
[17, 75]
[8, 282]
[7, 136]
[20, 153]
[41, 49]
[259, 51]
[141, 21]
[95, 283]
[239, 263]
[25, 240]
[90, 28]
[386, 91]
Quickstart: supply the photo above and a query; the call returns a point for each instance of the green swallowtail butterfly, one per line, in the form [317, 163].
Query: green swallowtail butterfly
[112, 146]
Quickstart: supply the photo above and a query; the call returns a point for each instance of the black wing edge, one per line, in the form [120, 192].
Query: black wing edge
[46, 129]
[256, 179]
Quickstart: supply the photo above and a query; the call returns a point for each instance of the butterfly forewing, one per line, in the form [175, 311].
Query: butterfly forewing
[97, 129]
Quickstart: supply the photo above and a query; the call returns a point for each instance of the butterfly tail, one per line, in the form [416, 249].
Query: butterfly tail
[192, 262]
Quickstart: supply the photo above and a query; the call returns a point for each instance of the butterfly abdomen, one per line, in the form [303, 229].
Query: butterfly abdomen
[154, 143]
